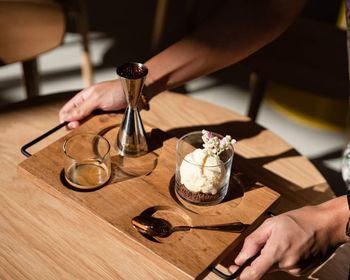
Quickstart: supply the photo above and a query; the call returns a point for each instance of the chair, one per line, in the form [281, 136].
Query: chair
[77, 10]
[32, 27]
[310, 56]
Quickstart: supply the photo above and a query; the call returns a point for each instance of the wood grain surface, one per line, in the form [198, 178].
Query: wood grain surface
[46, 236]
[147, 184]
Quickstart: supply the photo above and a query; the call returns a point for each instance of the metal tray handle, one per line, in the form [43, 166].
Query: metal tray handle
[241, 268]
[41, 137]
[46, 134]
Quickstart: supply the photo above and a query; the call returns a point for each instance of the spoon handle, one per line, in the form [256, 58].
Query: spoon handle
[232, 227]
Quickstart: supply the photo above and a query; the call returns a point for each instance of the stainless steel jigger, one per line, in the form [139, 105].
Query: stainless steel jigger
[131, 139]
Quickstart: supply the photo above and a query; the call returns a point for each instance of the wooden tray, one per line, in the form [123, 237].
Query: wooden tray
[146, 184]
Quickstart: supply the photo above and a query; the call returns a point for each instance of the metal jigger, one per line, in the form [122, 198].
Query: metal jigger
[131, 139]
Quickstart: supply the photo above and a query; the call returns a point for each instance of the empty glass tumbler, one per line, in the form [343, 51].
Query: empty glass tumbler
[87, 163]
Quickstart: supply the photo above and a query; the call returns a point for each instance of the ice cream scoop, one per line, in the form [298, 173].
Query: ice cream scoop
[202, 173]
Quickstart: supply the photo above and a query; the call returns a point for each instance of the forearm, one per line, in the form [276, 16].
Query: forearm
[238, 29]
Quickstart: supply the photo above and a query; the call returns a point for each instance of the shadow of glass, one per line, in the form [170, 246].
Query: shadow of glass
[132, 167]
[244, 130]
[125, 168]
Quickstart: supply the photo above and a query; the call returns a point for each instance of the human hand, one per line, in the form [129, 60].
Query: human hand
[106, 96]
[293, 242]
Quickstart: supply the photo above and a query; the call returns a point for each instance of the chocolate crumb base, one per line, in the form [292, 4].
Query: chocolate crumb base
[196, 197]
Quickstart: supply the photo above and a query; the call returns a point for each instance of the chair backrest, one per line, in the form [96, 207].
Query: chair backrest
[29, 28]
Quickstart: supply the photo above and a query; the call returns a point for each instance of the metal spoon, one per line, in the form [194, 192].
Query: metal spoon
[161, 228]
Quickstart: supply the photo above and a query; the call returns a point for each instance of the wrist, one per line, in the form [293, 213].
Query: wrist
[148, 91]
[150, 88]
[337, 216]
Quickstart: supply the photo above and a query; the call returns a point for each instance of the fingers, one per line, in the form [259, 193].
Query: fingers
[256, 270]
[295, 271]
[259, 267]
[253, 243]
[233, 268]
[72, 109]
[106, 95]
[73, 103]
[79, 107]
[252, 246]
[73, 125]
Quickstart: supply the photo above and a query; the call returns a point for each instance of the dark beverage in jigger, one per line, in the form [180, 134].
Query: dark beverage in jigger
[131, 138]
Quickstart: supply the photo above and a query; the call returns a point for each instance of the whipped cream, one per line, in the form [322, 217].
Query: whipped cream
[197, 179]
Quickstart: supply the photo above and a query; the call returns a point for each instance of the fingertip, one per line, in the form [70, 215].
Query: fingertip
[61, 120]
[73, 125]
[241, 258]
[233, 268]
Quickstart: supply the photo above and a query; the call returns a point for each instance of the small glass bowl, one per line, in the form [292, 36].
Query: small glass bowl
[197, 184]
[87, 162]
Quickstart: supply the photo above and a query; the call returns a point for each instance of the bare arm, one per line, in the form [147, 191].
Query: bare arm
[236, 29]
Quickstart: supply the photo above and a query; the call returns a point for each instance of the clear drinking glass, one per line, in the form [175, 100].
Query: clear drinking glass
[346, 166]
[346, 154]
[87, 163]
[197, 183]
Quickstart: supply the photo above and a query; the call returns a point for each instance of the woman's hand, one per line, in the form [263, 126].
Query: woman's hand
[295, 241]
[106, 96]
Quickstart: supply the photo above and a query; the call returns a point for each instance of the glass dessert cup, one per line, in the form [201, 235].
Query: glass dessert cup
[201, 179]
[87, 162]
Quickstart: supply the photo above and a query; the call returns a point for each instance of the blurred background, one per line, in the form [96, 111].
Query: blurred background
[297, 86]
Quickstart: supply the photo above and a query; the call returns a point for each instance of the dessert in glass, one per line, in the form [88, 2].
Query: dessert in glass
[203, 167]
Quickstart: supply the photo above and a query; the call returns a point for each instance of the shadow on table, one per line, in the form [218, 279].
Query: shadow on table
[245, 130]
[333, 177]
[255, 170]
[248, 129]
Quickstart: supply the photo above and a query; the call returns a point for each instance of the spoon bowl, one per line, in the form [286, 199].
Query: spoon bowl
[152, 226]
[158, 227]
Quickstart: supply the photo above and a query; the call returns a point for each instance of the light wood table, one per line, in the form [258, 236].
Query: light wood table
[46, 237]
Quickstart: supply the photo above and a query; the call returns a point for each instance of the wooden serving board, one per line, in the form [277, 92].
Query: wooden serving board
[146, 185]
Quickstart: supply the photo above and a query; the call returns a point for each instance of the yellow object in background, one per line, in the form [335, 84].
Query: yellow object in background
[308, 108]
[341, 23]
